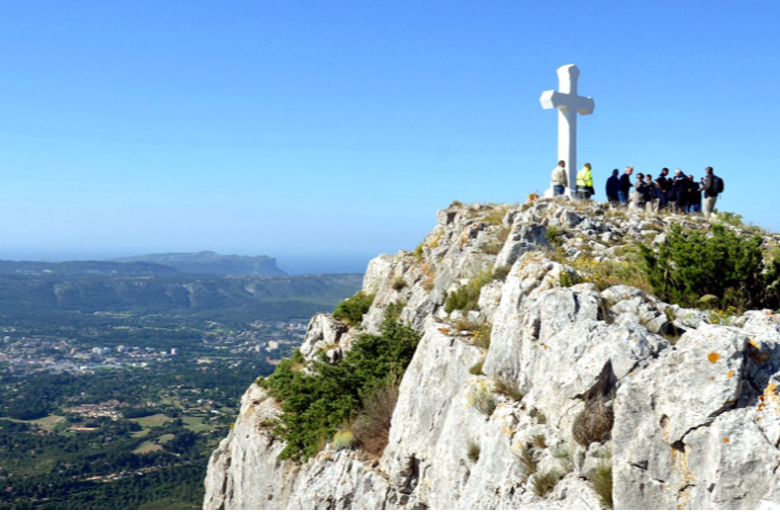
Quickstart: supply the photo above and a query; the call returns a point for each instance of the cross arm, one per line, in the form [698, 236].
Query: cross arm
[552, 99]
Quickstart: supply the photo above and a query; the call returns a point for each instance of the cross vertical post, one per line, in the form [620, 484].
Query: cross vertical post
[569, 104]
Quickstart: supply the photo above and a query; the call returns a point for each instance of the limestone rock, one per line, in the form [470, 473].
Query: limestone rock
[696, 405]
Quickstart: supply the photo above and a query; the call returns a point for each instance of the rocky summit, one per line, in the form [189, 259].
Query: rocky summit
[546, 377]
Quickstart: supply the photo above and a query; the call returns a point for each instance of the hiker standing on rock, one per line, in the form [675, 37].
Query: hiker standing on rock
[681, 187]
[694, 196]
[613, 187]
[585, 183]
[559, 180]
[664, 187]
[713, 185]
[625, 185]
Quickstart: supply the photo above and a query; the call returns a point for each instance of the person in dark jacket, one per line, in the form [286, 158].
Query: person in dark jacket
[681, 186]
[694, 196]
[613, 188]
[664, 186]
[625, 185]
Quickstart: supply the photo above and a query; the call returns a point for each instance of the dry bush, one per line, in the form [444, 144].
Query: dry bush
[399, 283]
[594, 423]
[508, 390]
[429, 272]
[372, 425]
[464, 324]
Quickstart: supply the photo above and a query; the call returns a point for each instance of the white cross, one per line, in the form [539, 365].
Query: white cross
[568, 104]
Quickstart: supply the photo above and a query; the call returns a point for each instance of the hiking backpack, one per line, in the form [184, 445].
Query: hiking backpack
[717, 184]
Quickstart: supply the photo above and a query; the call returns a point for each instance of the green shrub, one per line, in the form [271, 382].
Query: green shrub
[316, 405]
[351, 310]
[481, 337]
[467, 296]
[476, 369]
[555, 236]
[394, 310]
[343, 440]
[500, 273]
[728, 217]
[418, 251]
[730, 267]
[567, 278]
[481, 398]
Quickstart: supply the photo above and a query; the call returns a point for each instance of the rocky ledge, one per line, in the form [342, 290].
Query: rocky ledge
[586, 395]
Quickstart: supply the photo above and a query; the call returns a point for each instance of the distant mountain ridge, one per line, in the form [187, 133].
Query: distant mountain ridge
[87, 268]
[209, 262]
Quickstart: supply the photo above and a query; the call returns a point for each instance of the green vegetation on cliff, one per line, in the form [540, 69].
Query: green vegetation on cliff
[317, 404]
[723, 264]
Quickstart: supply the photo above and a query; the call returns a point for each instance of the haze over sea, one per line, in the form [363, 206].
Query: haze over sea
[326, 132]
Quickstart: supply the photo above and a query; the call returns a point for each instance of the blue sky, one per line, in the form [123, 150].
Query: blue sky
[327, 132]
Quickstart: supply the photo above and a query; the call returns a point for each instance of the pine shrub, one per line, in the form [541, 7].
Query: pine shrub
[722, 264]
[352, 310]
[316, 404]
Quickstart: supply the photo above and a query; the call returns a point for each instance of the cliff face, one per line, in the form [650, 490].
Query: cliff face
[693, 407]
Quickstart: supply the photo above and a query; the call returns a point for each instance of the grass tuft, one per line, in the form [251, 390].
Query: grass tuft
[527, 461]
[539, 441]
[508, 390]
[473, 451]
[476, 369]
[602, 484]
[372, 424]
[544, 483]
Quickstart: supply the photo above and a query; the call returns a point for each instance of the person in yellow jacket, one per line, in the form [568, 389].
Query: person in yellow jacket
[585, 182]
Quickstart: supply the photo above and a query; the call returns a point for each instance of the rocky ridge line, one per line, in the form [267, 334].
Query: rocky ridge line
[696, 416]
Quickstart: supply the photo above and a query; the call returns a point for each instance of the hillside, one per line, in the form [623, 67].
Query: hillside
[209, 262]
[24, 296]
[550, 373]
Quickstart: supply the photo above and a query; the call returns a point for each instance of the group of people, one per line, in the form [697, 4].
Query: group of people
[680, 193]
